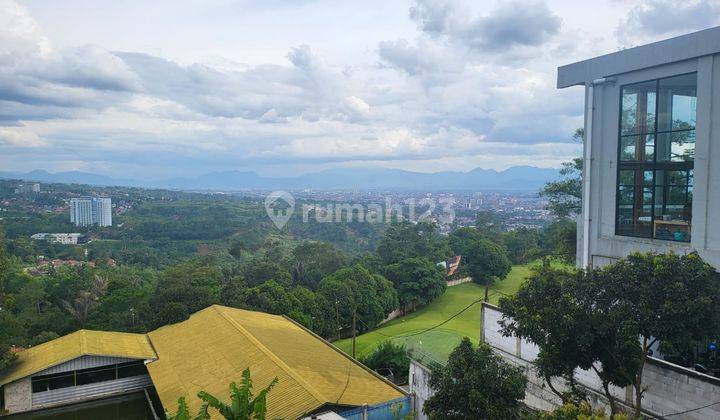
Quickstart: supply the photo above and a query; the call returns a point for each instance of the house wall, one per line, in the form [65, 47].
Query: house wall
[419, 384]
[670, 389]
[605, 246]
[18, 396]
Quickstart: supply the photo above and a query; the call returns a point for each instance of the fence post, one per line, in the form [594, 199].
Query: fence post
[365, 412]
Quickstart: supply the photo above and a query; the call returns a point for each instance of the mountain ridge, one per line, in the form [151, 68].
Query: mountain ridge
[513, 178]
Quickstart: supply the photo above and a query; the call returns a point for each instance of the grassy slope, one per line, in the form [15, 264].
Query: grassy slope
[438, 343]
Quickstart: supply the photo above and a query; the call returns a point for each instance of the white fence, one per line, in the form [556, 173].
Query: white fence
[670, 388]
[451, 283]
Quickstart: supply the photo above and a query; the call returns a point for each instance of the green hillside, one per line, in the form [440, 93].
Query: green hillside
[438, 343]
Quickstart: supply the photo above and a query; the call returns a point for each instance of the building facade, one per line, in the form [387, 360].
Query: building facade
[651, 182]
[59, 238]
[89, 211]
[28, 187]
[102, 211]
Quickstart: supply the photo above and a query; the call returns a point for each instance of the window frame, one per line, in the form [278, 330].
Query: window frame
[139, 366]
[653, 165]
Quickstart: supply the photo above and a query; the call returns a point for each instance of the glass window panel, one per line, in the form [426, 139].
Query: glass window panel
[654, 202]
[637, 148]
[628, 148]
[627, 177]
[626, 195]
[40, 385]
[50, 382]
[677, 104]
[648, 178]
[676, 177]
[676, 146]
[676, 196]
[62, 381]
[95, 375]
[638, 108]
[133, 369]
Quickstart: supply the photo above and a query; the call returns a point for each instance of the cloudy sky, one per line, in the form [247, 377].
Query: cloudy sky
[167, 88]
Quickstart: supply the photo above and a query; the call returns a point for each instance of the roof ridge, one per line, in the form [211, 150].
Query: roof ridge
[314, 392]
[347, 356]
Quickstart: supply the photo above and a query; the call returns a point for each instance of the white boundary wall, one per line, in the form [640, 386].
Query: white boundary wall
[670, 388]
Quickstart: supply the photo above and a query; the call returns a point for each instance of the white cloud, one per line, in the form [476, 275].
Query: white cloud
[428, 85]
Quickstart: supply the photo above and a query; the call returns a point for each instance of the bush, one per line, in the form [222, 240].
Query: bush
[389, 356]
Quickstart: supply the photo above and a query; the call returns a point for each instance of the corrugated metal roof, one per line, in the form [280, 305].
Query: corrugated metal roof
[213, 347]
[77, 344]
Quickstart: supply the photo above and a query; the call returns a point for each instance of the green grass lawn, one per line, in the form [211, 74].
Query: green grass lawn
[437, 344]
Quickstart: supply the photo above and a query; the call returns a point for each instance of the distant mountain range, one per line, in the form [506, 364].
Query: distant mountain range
[514, 178]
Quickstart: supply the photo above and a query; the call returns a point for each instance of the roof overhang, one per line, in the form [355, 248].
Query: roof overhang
[685, 47]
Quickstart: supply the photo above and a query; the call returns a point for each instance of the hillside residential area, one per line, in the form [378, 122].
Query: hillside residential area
[421, 209]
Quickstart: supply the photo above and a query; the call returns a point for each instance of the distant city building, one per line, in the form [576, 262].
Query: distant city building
[89, 211]
[30, 187]
[102, 211]
[59, 238]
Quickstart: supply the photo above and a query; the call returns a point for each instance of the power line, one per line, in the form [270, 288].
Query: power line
[689, 411]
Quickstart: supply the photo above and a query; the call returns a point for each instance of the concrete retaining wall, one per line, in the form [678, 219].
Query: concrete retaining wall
[419, 383]
[451, 283]
[670, 388]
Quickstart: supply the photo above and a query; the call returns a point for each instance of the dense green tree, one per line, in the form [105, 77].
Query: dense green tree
[489, 226]
[615, 315]
[190, 286]
[462, 240]
[487, 262]
[127, 297]
[389, 356]
[270, 297]
[315, 260]
[563, 312]
[476, 384]
[260, 271]
[356, 290]
[405, 240]
[559, 240]
[484, 260]
[522, 244]
[565, 195]
[418, 281]
[310, 311]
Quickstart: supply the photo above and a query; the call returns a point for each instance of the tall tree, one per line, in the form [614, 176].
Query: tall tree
[418, 281]
[565, 194]
[407, 240]
[487, 262]
[315, 260]
[610, 318]
[476, 384]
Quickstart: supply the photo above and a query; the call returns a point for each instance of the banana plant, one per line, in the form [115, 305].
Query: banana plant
[243, 404]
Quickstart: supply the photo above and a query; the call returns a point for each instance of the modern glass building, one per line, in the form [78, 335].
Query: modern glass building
[652, 124]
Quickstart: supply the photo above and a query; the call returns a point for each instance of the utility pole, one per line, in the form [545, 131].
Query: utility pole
[354, 332]
[337, 319]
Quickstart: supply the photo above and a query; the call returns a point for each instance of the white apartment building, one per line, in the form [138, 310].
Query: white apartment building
[89, 211]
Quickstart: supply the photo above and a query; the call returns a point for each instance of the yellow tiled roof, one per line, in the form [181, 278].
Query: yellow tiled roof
[213, 347]
[77, 344]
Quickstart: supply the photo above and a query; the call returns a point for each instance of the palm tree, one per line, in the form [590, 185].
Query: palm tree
[243, 405]
[87, 300]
